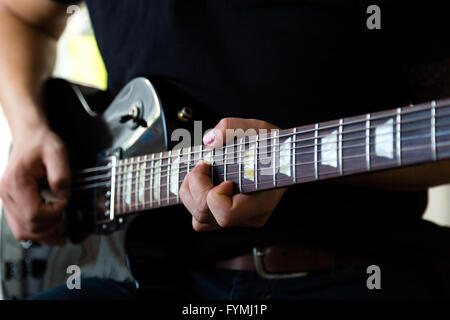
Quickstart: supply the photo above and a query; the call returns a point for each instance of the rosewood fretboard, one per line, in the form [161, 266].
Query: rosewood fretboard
[382, 140]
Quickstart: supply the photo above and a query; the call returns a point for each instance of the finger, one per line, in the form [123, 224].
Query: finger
[230, 128]
[58, 172]
[202, 227]
[30, 206]
[240, 209]
[53, 233]
[199, 184]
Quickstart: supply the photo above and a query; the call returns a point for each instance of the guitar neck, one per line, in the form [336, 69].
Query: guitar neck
[375, 141]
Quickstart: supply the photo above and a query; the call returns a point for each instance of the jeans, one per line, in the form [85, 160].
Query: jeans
[207, 283]
[91, 289]
[417, 268]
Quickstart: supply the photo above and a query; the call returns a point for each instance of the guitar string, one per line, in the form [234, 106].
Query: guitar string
[179, 156]
[122, 176]
[164, 200]
[334, 126]
[123, 179]
[257, 153]
[136, 163]
[134, 191]
[134, 178]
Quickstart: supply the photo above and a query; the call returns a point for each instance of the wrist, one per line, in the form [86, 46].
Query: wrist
[28, 123]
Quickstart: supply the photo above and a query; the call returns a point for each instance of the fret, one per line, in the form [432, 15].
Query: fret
[240, 143]
[274, 159]
[142, 180]
[233, 164]
[225, 156]
[178, 176]
[112, 199]
[212, 166]
[129, 195]
[159, 177]
[368, 142]
[316, 165]
[123, 189]
[182, 168]
[341, 170]
[218, 172]
[294, 158]
[433, 130]
[123, 204]
[442, 129]
[248, 155]
[383, 140]
[285, 151]
[285, 158]
[304, 154]
[118, 193]
[196, 155]
[355, 154]
[328, 156]
[135, 167]
[256, 161]
[189, 159]
[416, 143]
[398, 136]
[249, 159]
[168, 175]
[151, 179]
[208, 156]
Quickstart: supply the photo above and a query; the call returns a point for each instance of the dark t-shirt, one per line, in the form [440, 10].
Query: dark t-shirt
[291, 63]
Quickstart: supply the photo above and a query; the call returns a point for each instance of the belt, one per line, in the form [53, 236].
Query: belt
[290, 260]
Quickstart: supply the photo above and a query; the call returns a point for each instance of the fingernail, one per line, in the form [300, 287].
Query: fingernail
[209, 137]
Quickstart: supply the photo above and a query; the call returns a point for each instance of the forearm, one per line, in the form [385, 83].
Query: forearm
[27, 58]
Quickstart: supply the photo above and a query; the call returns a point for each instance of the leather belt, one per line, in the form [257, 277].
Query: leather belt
[291, 260]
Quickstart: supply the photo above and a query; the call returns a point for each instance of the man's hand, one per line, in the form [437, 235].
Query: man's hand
[36, 155]
[213, 207]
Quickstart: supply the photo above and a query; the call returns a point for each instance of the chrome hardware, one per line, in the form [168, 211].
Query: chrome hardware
[111, 212]
[258, 258]
[433, 130]
[26, 244]
[185, 114]
[134, 114]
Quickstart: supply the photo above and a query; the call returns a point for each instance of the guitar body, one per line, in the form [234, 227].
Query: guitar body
[92, 126]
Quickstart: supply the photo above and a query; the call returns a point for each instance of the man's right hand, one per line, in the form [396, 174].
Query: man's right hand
[37, 155]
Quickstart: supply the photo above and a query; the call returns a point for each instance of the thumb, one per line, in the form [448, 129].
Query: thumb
[58, 171]
[220, 198]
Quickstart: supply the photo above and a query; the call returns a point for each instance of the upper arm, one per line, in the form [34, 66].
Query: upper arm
[45, 15]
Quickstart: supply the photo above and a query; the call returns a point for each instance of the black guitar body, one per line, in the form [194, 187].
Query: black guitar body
[94, 127]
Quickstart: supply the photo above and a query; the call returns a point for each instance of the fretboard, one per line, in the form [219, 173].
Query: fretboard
[382, 140]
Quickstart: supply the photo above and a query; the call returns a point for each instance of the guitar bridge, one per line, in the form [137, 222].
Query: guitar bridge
[106, 220]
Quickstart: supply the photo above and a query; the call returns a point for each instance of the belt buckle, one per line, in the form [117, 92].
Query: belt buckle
[259, 265]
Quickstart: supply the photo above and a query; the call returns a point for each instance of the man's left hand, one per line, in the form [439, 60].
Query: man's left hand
[213, 207]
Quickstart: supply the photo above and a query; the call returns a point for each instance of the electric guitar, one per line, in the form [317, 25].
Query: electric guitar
[122, 162]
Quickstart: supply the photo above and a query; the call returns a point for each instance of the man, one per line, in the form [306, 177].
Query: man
[284, 62]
